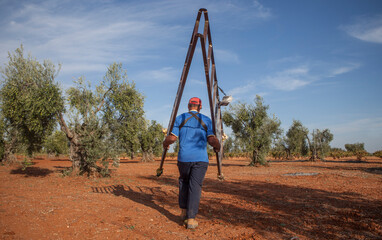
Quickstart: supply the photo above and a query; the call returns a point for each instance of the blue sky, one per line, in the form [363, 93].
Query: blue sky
[316, 61]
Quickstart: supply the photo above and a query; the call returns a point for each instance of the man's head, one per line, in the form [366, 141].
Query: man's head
[195, 104]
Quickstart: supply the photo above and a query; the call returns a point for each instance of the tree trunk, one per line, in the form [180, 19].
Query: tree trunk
[8, 156]
[9, 149]
[255, 158]
[75, 150]
[312, 149]
[289, 155]
[147, 156]
[75, 156]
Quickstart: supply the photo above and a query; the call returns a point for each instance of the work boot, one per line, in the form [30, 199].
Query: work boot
[191, 223]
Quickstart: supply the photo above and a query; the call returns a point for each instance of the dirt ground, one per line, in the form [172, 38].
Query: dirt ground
[334, 199]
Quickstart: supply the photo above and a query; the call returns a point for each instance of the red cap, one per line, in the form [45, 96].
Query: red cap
[195, 101]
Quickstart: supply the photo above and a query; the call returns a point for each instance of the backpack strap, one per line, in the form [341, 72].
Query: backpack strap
[184, 122]
[197, 118]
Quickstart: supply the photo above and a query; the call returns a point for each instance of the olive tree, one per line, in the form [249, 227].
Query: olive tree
[30, 100]
[357, 149]
[319, 144]
[97, 126]
[295, 140]
[124, 111]
[354, 147]
[252, 125]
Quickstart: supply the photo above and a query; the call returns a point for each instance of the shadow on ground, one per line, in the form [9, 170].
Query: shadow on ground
[377, 170]
[271, 207]
[151, 197]
[32, 172]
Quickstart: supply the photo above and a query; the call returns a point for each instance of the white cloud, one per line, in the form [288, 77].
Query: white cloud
[85, 41]
[240, 90]
[166, 74]
[344, 69]
[366, 29]
[83, 37]
[235, 11]
[290, 79]
[261, 11]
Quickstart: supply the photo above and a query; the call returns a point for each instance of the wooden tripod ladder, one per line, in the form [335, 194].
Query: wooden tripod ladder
[212, 86]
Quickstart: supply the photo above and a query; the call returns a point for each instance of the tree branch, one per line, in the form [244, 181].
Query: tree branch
[102, 102]
[64, 127]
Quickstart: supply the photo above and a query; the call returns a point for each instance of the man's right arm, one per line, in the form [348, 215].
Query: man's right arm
[170, 139]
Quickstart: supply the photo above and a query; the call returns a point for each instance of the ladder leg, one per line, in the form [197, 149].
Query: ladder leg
[179, 94]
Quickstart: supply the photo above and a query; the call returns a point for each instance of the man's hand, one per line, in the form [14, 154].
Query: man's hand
[170, 139]
[214, 142]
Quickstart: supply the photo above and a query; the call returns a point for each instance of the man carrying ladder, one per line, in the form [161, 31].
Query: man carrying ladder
[194, 131]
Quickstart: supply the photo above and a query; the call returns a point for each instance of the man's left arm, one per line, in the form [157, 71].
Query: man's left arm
[214, 142]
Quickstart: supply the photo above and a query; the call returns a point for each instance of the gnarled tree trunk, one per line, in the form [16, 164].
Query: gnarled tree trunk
[75, 148]
[9, 150]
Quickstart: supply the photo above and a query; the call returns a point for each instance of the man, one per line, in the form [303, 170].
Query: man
[194, 131]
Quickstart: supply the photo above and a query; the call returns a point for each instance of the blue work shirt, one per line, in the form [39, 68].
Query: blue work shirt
[192, 137]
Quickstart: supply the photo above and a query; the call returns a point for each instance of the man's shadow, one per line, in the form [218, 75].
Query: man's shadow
[145, 196]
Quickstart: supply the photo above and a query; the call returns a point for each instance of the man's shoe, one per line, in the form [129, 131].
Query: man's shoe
[192, 223]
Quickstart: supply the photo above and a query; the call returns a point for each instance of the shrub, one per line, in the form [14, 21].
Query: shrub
[360, 154]
[378, 153]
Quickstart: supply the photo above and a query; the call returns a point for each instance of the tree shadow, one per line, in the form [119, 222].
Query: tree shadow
[289, 161]
[374, 170]
[230, 164]
[60, 160]
[147, 196]
[32, 172]
[324, 211]
[128, 161]
[277, 208]
[352, 161]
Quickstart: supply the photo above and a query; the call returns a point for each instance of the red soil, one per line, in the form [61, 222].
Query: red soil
[343, 201]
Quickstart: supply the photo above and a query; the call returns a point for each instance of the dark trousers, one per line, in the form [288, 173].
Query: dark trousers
[191, 176]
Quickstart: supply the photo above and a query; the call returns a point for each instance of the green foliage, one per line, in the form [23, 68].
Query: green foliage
[30, 99]
[378, 153]
[26, 163]
[278, 155]
[361, 154]
[151, 138]
[253, 127]
[91, 133]
[57, 143]
[337, 153]
[354, 147]
[124, 109]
